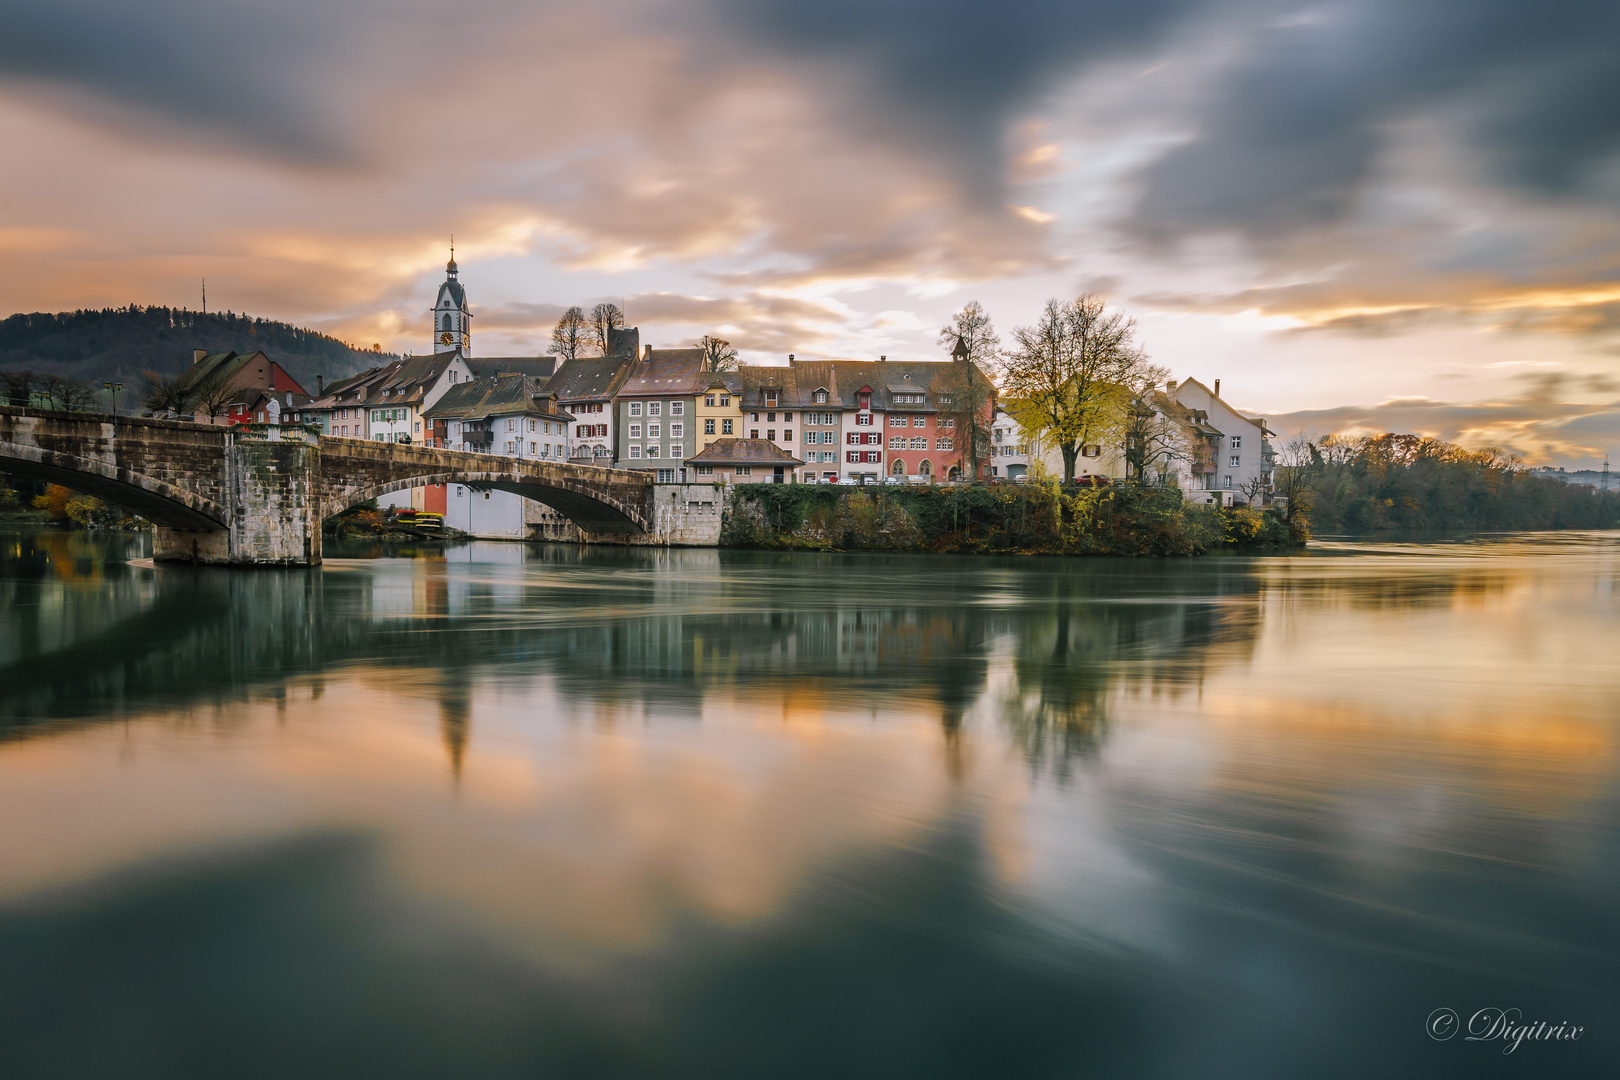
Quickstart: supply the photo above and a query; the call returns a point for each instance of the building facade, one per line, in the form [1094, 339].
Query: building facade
[656, 411]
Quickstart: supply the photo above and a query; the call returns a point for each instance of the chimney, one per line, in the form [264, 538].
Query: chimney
[198, 354]
[790, 358]
[1217, 388]
[1169, 386]
[881, 359]
[319, 379]
[646, 352]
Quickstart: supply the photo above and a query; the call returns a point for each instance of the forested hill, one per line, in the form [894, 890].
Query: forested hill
[121, 343]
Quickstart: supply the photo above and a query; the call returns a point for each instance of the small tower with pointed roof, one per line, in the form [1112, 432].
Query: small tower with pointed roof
[452, 321]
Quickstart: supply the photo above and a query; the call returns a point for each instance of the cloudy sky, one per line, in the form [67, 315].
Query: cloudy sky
[1374, 213]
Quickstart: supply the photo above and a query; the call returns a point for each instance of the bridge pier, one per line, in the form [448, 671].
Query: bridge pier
[272, 496]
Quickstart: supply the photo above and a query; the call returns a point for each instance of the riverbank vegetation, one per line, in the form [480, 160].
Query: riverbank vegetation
[1358, 484]
[1043, 518]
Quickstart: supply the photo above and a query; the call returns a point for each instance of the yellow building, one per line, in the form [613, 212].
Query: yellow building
[718, 413]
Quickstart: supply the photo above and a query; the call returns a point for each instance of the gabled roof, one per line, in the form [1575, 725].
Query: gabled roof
[666, 372]
[498, 395]
[334, 394]
[458, 295]
[590, 378]
[534, 366]
[743, 452]
[1261, 424]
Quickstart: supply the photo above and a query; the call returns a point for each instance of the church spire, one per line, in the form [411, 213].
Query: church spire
[452, 318]
[450, 267]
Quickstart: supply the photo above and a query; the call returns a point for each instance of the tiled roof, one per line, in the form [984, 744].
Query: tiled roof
[743, 452]
[533, 366]
[499, 395]
[666, 372]
[590, 377]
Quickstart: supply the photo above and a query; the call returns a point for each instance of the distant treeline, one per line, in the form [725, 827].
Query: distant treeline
[122, 343]
[1344, 484]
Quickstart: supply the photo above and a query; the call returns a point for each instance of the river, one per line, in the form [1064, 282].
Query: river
[507, 811]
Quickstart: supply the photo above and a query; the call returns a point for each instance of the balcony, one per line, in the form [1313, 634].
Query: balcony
[480, 440]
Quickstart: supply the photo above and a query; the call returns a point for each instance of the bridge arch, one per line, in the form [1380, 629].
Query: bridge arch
[153, 499]
[588, 507]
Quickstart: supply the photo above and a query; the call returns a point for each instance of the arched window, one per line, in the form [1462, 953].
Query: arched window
[926, 469]
[956, 472]
[446, 325]
[898, 468]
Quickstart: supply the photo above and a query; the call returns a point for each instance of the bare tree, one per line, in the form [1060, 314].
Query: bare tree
[1291, 479]
[54, 387]
[972, 330]
[966, 399]
[571, 334]
[605, 317]
[164, 393]
[77, 396]
[1068, 378]
[718, 355]
[1151, 438]
[213, 397]
[19, 387]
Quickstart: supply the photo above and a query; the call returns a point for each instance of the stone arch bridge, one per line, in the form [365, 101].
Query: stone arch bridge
[254, 495]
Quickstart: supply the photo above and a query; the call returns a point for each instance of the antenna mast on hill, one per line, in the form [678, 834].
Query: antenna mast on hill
[1603, 483]
[205, 295]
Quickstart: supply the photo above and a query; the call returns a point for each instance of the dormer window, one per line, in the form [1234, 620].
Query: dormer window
[820, 397]
[865, 400]
[770, 399]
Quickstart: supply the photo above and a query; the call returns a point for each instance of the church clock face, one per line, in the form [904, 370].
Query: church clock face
[445, 339]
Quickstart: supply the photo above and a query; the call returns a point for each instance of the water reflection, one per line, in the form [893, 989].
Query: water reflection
[497, 811]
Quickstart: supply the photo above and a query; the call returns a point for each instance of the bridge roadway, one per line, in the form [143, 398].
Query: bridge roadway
[255, 495]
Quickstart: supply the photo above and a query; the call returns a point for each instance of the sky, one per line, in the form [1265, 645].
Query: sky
[1360, 216]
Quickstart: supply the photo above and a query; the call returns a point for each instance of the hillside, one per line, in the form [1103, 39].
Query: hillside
[120, 343]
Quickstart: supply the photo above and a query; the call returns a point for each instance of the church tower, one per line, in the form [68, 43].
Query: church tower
[452, 322]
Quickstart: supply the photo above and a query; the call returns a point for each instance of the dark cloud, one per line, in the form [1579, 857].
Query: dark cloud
[946, 76]
[254, 74]
[1294, 129]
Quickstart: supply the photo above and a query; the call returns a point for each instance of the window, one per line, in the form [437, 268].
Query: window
[677, 408]
[1091, 450]
[770, 433]
[635, 451]
[753, 418]
[919, 443]
[1228, 483]
[653, 407]
[635, 431]
[676, 430]
[770, 418]
[771, 399]
[666, 476]
[787, 436]
[446, 325]
[532, 446]
[509, 447]
[852, 437]
[708, 401]
[1236, 461]
[655, 431]
[708, 426]
[944, 422]
[744, 470]
[725, 402]
[863, 419]
[635, 408]
[676, 450]
[704, 470]
[819, 397]
[944, 444]
[652, 450]
[787, 418]
[1237, 442]
[865, 401]
[898, 468]
[753, 433]
[852, 455]
[897, 421]
[926, 468]
[725, 427]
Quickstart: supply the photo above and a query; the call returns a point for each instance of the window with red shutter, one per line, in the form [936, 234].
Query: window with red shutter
[853, 455]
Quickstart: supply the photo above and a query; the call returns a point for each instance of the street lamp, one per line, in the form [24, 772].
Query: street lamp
[112, 389]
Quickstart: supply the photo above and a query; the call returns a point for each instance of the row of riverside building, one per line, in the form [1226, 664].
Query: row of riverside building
[660, 410]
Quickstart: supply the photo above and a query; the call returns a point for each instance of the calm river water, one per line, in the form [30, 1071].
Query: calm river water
[531, 812]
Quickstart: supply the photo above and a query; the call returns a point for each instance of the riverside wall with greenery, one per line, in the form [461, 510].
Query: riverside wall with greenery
[1409, 482]
[1038, 519]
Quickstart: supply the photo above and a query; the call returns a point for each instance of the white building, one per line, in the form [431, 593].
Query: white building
[1231, 458]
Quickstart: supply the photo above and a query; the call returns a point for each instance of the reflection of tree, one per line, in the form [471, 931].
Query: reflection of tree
[454, 723]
